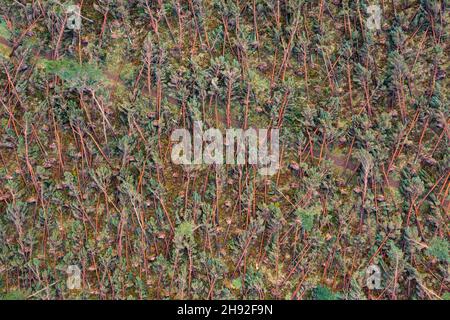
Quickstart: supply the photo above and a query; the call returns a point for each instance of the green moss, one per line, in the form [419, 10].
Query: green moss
[324, 293]
[74, 73]
[5, 51]
[14, 295]
[237, 283]
[307, 217]
[439, 249]
[4, 31]
[185, 229]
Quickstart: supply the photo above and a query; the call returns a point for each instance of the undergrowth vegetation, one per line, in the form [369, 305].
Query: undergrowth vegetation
[86, 177]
